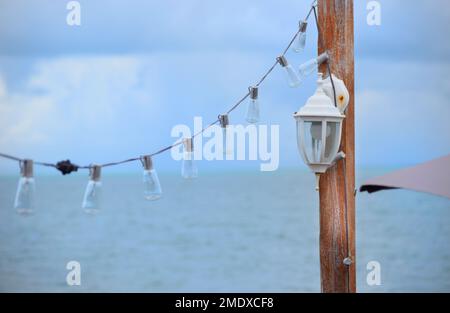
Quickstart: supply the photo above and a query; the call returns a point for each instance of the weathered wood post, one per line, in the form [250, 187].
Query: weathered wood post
[337, 222]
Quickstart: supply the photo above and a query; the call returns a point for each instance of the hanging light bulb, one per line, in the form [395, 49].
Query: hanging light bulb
[189, 169]
[224, 122]
[253, 106]
[291, 76]
[24, 201]
[300, 42]
[152, 187]
[309, 67]
[92, 195]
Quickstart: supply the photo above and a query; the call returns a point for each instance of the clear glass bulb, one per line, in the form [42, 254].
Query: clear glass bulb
[316, 130]
[308, 68]
[300, 42]
[152, 187]
[316, 134]
[24, 201]
[292, 78]
[92, 197]
[253, 111]
[189, 169]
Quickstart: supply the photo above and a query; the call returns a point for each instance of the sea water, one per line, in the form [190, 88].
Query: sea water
[223, 232]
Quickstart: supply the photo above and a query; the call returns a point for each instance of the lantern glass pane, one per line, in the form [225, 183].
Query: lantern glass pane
[313, 140]
[331, 141]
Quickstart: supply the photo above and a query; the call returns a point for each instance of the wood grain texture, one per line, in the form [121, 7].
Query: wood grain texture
[336, 25]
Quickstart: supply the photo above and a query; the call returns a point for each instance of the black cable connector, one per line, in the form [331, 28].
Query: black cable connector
[66, 167]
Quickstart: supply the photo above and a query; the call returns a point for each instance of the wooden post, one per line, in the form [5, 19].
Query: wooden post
[336, 186]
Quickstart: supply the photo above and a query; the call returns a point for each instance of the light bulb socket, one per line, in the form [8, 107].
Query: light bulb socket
[26, 168]
[224, 120]
[147, 162]
[302, 25]
[324, 57]
[282, 61]
[95, 172]
[188, 144]
[253, 92]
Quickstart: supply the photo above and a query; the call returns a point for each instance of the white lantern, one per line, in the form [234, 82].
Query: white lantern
[319, 127]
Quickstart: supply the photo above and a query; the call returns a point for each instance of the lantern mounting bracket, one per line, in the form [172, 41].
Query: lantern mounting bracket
[339, 156]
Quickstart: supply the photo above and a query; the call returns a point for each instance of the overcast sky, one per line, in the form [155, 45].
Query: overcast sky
[115, 86]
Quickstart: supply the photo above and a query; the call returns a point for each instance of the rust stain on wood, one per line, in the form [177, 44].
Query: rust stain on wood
[336, 23]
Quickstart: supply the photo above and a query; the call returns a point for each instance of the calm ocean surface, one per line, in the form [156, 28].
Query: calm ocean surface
[231, 232]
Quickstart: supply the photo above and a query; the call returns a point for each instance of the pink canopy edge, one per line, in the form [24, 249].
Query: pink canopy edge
[431, 177]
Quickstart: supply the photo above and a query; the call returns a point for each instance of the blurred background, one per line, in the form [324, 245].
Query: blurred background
[113, 88]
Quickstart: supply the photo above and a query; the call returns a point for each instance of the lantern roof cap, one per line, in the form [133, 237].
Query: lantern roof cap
[319, 105]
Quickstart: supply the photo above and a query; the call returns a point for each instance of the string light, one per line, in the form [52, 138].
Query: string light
[309, 67]
[152, 188]
[291, 76]
[92, 196]
[301, 37]
[24, 201]
[224, 122]
[253, 106]
[188, 169]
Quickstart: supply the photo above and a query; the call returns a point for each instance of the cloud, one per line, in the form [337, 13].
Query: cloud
[76, 95]
[72, 103]
[103, 108]
[23, 119]
[89, 89]
[402, 120]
